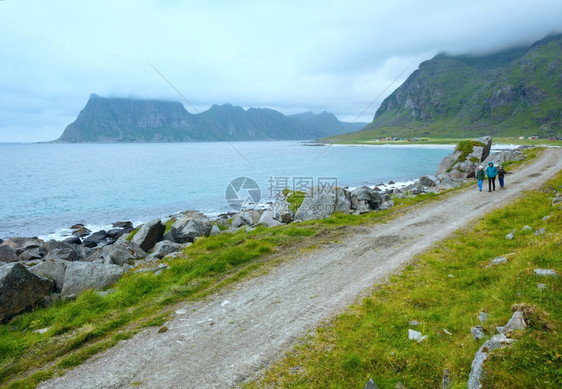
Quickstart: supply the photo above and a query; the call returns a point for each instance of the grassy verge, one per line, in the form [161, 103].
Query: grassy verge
[72, 331]
[445, 289]
[443, 141]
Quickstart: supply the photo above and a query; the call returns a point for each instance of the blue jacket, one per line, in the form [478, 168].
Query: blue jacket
[491, 171]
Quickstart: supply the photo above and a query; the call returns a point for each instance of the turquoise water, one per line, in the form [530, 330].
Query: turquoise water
[45, 187]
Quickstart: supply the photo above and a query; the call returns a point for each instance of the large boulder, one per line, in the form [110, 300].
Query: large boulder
[322, 202]
[270, 218]
[65, 250]
[186, 228]
[95, 239]
[365, 199]
[81, 276]
[243, 218]
[163, 248]
[20, 244]
[31, 254]
[53, 269]
[149, 234]
[124, 252]
[8, 254]
[20, 290]
[466, 168]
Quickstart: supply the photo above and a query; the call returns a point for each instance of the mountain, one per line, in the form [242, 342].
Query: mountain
[134, 120]
[507, 93]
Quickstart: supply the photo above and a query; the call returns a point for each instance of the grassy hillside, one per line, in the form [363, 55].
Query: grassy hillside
[514, 92]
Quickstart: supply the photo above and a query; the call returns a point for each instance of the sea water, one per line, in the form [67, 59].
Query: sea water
[45, 188]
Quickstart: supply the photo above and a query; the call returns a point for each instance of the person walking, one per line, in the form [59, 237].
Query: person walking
[491, 172]
[501, 174]
[480, 175]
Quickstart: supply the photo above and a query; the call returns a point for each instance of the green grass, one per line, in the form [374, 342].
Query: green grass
[370, 339]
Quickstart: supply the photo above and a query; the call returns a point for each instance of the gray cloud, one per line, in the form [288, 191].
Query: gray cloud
[291, 56]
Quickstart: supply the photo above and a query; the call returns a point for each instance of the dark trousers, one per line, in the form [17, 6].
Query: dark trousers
[491, 183]
[500, 178]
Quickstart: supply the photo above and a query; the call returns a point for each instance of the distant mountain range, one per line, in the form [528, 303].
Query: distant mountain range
[507, 93]
[135, 120]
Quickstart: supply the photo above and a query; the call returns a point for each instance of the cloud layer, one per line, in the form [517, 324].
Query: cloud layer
[292, 56]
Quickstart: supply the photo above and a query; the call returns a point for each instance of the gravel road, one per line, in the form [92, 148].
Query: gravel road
[234, 334]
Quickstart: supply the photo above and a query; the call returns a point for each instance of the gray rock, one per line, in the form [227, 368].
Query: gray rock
[81, 276]
[414, 323]
[34, 253]
[498, 260]
[447, 162]
[446, 182]
[510, 236]
[215, 230]
[20, 290]
[416, 335]
[322, 202]
[270, 218]
[8, 254]
[540, 231]
[365, 199]
[546, 218]
[446, 382]
[517, 322]
[149, 234]
[222, 222]
[545, 272]
[476, 369]
[370, 384]
[243, 218]
[541, 286]
[526, 228]
[124, 252]
[557, 200]
[482, 316]
[477, 332]
[95, 239]
[161, 249]
[186, 229]
[429, 181]
[20, 244]
[53, 269]
[64, 250]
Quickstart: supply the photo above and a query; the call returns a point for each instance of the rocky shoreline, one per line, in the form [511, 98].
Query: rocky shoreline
[35, 272]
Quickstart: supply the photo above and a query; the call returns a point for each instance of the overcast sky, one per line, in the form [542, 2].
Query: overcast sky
[292, 56]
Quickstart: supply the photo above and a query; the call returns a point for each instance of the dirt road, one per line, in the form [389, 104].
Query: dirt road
[231, 336]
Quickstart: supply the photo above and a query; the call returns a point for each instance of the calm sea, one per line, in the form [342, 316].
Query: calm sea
[45, 188]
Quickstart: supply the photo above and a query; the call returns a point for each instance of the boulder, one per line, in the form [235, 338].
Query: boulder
[429, 181]
[73, 240]
[476, 369]
[115, 233]
[8, 254]
[283, 208]
[53, 269]
[64, 250]
[22, 244]
[124, 252]
[243, 218]
[477, 332]
[270, 218]
[20, 289]
[163, 248]
[447, 162]
[365, 199]
[95, 239]
[545, 272]
[215, 230]
[149, 234]
[517, 322]
[322, 202]
[126, 225]
[80, 231]
[186, 229]
[34, 253]
[81, 276]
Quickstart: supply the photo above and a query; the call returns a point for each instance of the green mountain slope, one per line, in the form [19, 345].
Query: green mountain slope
[508, 93]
